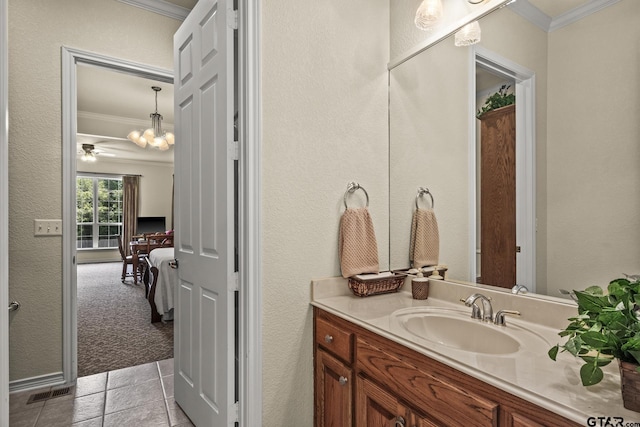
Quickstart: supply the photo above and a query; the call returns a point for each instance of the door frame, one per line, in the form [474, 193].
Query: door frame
[250, 271]
[4, 213]
[70, 59]
[250, 229]
[525, 162]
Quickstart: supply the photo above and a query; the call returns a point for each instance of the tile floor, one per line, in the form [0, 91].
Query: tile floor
[139, 396]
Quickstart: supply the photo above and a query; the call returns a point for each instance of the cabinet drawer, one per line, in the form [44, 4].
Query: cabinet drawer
[336, 340]
[450, 405]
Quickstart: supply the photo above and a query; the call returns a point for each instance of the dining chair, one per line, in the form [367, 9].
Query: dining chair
[126, 261]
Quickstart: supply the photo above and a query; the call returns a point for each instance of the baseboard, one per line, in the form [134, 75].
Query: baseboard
[49, 380]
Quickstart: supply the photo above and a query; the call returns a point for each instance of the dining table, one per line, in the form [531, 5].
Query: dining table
[141, 248]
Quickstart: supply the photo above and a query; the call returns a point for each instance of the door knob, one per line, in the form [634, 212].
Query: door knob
[173, 264]
[13, 306]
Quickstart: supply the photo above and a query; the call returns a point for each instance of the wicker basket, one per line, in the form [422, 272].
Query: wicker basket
[630, 382]
[386, 285]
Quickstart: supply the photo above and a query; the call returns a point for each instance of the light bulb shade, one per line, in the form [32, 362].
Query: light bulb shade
[141, 142]
[170, 138]
[164, 145]
[468, 35]
[134, 135]
[158, 141]
[428, 14]
[149, 135]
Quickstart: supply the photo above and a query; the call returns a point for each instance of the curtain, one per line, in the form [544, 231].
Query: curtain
[130, 208]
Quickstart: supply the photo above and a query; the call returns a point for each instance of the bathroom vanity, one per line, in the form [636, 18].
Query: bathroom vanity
[394, 361]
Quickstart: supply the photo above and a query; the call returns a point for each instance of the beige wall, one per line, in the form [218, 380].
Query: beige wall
[430, 148]
[325, 123]
[37, 30]
[594, 149]
[155, 195]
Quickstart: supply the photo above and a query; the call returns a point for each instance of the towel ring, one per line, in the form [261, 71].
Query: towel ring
[352, 187]
[421, 192]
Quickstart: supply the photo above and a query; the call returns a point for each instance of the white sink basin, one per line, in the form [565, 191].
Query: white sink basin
[456, 329]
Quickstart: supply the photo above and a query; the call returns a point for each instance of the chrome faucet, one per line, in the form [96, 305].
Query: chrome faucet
[499, 320]
[485, 312]
[519, 289]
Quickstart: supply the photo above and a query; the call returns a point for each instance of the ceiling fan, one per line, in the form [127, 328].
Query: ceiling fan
[89, 153]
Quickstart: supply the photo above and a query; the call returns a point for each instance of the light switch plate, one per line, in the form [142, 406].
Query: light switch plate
[48, 227]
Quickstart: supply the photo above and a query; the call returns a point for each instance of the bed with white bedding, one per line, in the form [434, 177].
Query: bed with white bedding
[161, 283]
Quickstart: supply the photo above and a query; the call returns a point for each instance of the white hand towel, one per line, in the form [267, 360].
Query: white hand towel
[424, 248]
[357, 246]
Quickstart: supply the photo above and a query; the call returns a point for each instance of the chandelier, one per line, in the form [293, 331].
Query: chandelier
[154, 136]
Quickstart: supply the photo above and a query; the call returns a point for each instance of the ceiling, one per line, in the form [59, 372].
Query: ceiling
[111, 104]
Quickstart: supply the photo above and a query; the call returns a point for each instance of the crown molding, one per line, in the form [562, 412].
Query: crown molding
[548, 24]
[580, 12]
[531, 14]
[161, 7]
[120, 120]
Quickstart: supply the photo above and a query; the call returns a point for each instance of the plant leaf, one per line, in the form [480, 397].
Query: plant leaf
[599, 361]
[595, 290]
[573, 345]
[595, 339]
[591, 302]
[553, 352]
[590, 374]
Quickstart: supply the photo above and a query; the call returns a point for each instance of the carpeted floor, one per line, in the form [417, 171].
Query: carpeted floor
[114, 322]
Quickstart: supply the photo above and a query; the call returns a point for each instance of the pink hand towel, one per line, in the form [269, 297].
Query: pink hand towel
[424, 249]
[358, 248]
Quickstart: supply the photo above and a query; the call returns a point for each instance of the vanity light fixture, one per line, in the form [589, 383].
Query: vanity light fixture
[154, 136]
[428, 14]
[468, 35]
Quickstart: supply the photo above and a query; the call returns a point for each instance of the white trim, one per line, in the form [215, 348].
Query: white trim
[540, 19]
[525, 163]
[580, 12]
[48, 380]
[4, 213]
[531, 14]
[121, 120]
[250, 133]
[161, 7]
[70, 57]
[471, 166]
[441, 34]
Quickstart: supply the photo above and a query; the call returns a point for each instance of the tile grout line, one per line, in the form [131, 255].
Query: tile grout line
[164, 394]
[104, 402]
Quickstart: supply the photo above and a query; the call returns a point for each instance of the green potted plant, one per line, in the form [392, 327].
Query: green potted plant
[500, 99]
[607, 328]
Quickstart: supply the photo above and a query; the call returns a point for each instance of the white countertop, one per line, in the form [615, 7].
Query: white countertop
[529, 374]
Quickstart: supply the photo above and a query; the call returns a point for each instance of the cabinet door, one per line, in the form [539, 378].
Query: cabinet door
[334, 392]
[376, 407]
[418, 420]
[519, 420]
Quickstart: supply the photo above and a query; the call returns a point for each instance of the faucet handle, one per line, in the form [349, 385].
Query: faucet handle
[475, 309]
[500, 316]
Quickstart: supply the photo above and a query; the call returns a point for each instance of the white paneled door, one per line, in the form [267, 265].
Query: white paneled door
[204, 313]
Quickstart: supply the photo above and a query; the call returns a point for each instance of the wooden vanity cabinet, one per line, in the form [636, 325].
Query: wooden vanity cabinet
[387, 384]
[334, 391]
[377, 407]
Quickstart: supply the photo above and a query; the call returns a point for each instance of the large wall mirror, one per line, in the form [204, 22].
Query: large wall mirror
[577, 81]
